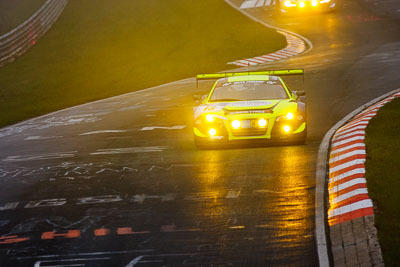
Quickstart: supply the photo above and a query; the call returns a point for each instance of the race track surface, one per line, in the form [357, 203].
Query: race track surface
[119, 182]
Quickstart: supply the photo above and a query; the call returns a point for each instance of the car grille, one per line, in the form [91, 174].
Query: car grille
[251, 130]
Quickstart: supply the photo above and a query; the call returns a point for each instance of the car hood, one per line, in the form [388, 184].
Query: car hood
[250, 105]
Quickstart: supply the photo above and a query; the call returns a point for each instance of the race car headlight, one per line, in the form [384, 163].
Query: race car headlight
[212, 132]
[289, 3]
[210, 118]
[286, 128]
[302, 4]
[235, 124]
[262, 123]
[314, 3]
[289, 116]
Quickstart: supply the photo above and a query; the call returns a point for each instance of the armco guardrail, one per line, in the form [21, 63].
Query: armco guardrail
[20, 39]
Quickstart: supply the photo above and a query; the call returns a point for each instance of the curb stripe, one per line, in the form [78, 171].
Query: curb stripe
[366, 203]
[348, 155]
[346, 160]
[348, 133]
[348, 190]
[355, 171]
[355, 125]
[343, 200]
[347, 186]
[347, 169]
[352, 140]
[351, 215]
[360, 141]
[348, 136]
[351, 130]
[344, 149]
[347, 165]
[295, 46]
[346, 178]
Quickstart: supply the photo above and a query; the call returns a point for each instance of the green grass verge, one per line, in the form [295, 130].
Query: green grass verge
[383, 177]
[15, 12]
[103, 48]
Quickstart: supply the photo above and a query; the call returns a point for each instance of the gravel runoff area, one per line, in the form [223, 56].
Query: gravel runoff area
[127, 46]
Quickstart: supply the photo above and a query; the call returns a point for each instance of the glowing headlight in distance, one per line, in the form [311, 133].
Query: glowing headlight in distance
[262, 122]
[286, 128]
[235, 124]
[314, 3]
[302, 4]
[209, 118]
[289, 116]
[288, 3]
[212, 132]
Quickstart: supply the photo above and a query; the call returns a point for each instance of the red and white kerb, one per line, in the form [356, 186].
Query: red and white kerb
[348, 194]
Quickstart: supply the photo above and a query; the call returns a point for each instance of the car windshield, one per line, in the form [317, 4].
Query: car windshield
[248, 90]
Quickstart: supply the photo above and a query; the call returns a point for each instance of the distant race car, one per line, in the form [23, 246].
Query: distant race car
[250, 106]
[304, 6]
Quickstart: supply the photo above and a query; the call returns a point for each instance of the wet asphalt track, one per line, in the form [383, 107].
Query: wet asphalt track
[92, 186]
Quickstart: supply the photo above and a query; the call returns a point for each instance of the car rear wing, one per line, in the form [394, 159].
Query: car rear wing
[215, 76]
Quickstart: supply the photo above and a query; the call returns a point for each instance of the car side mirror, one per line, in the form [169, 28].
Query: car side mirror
[196, 97]
[199, 99]
[299, 93]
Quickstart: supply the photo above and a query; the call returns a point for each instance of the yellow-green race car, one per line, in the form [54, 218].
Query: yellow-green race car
[246, 106]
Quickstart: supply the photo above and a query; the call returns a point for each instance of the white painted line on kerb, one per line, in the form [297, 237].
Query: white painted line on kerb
[349, 135]
[363, 118]
[358, 191]
[347, 155]
[347, 174]
[335, 144]
[355, 125]
[339, 150]
[361, 127]
[366, 203]
[346, 165]
[346, 135]
[367, 112]
[362, 121]
[296, 42]
[346, 185]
